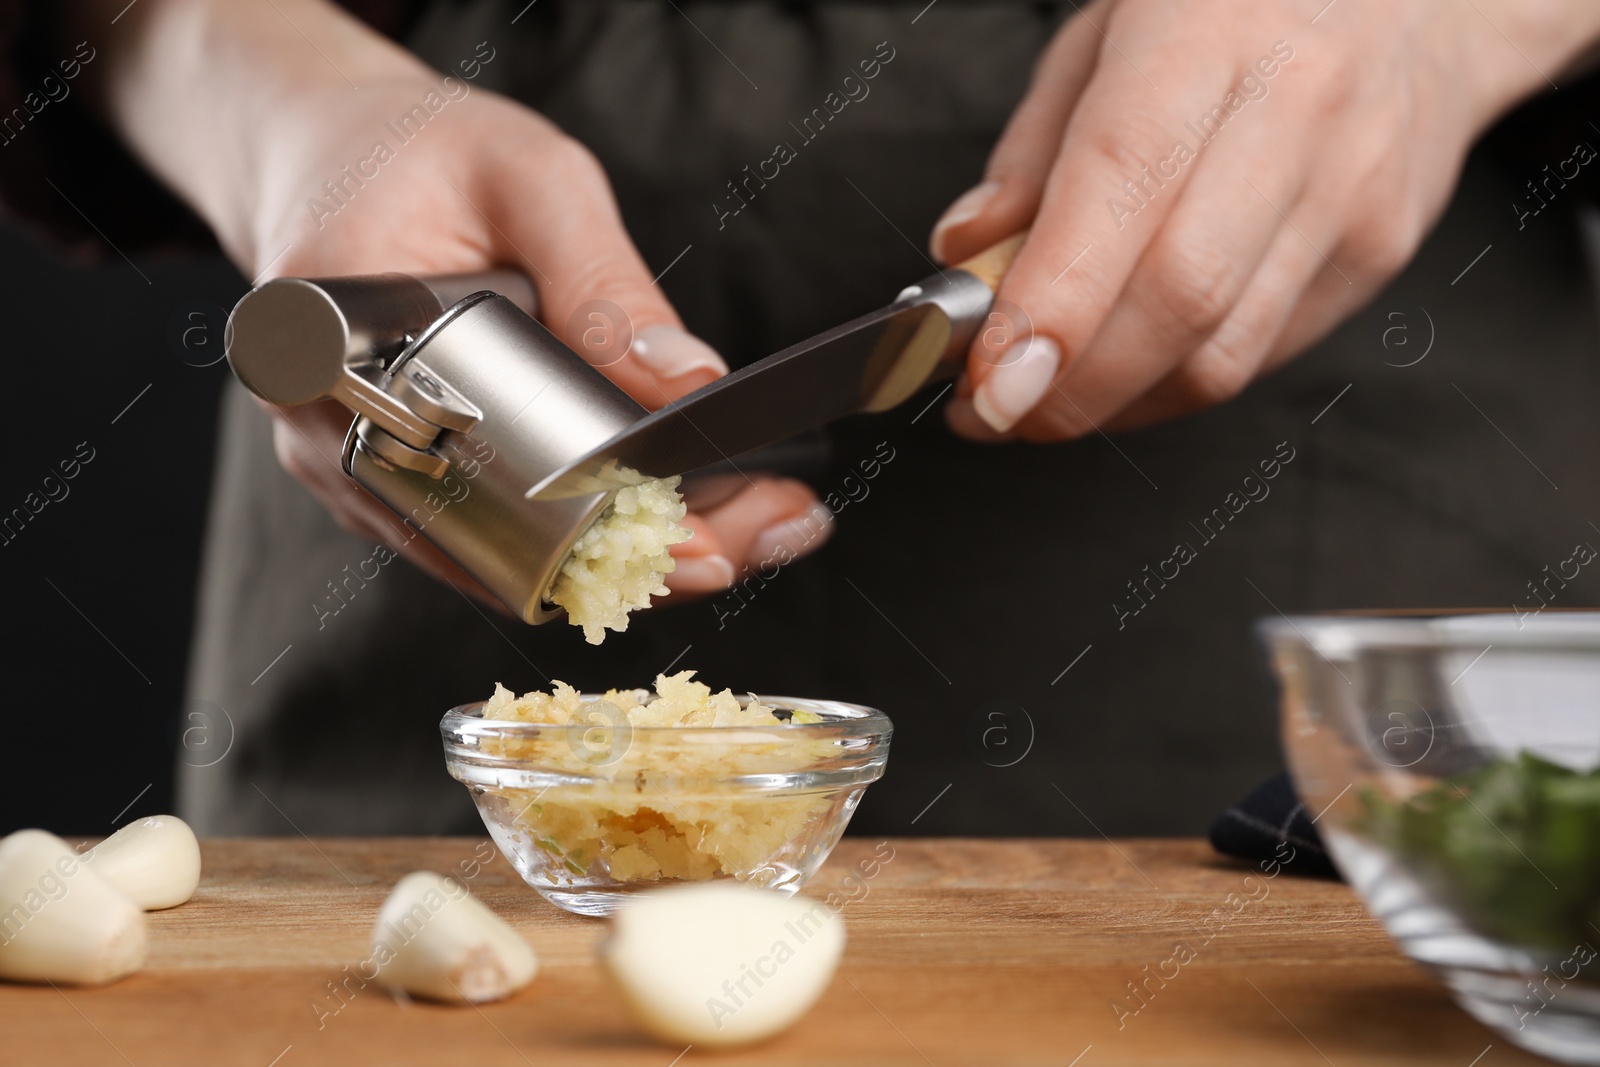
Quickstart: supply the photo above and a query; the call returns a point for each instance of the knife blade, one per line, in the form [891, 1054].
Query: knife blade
[871, 363]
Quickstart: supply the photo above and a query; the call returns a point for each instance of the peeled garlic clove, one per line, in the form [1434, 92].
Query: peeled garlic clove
[59, 920]
[723, 963]
[154, 862]
[434, 939]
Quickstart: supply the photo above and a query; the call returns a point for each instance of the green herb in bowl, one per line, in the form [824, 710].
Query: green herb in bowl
[1514, 846]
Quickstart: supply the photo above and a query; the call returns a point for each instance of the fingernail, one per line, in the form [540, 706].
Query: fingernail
[702, 574]
[672, 353]
[962, 418]
[1017, 384]
[968, 206]
[792, 539]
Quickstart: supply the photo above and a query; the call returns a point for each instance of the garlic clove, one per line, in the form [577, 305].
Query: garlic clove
[59, 920]
[722, 963]
[154, 862]
[434, 939]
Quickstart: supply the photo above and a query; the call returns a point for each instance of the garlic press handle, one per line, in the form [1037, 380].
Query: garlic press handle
[294, 341]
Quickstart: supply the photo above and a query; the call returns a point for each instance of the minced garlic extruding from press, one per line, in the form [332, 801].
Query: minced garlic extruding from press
[619, 561]
[642, 831]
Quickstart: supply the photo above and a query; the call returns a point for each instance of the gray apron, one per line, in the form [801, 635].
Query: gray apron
[1062, 633]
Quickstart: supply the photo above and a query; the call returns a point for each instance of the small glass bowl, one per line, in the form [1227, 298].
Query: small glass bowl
[591, 813]
[1451, 762]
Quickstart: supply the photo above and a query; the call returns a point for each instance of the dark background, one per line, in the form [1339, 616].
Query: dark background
[125, 356]
[100, 585]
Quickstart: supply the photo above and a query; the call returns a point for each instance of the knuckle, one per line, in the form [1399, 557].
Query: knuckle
[570, 160]
[607, 272]
[1216, 373]
[608, 303]
[1193, 286]
[1383, 249]
[1338, 80]
[1338, 91]
[1128, 145]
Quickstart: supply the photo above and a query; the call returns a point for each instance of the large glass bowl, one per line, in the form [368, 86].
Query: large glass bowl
[591, 813]
[1450, 762]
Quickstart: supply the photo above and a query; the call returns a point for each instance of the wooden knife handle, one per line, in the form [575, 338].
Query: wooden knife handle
[993, 262]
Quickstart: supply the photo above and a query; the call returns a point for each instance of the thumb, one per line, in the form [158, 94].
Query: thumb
[595, 292]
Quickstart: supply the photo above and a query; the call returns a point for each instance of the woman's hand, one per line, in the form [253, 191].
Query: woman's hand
[1213, 187]
[488, 182]
[251, 112]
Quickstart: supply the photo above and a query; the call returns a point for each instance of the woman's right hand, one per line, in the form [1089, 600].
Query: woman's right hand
[302, 174]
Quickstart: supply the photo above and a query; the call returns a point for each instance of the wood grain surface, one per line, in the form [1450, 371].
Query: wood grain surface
[959, 952]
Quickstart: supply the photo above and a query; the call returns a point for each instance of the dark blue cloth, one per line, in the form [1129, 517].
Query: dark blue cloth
[1271, 816]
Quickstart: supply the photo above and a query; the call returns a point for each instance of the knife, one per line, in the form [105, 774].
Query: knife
[871, 363]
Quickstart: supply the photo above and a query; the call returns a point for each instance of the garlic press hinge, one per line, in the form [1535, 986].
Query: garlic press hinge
[296, 341]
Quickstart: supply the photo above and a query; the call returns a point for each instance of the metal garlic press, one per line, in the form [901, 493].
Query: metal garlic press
[462, 400]
[489, 437]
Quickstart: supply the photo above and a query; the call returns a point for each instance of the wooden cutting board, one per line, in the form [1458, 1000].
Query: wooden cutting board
[959, 952]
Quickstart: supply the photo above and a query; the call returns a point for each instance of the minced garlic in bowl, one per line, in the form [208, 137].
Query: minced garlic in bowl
[594, 795]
